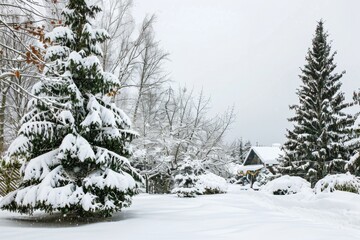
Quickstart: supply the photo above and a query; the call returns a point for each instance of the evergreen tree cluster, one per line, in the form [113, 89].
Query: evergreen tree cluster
[239, 149]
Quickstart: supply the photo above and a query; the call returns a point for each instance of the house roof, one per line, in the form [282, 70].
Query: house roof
[268, 155]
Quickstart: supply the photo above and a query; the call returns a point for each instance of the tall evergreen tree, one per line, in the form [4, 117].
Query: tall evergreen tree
[315, 146]
[74, 140]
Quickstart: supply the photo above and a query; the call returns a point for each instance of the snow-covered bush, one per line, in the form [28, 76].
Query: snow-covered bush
[264, 177]
[340, 182]
[154, 165]
[209, 183]
[186, 180]
[286, 185]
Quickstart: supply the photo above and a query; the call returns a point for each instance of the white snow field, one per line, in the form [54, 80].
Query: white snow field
[235, 215]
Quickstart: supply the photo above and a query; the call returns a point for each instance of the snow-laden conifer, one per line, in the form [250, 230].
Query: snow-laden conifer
[353, 165]
[186, 179]
[74, 141]
[315, 146]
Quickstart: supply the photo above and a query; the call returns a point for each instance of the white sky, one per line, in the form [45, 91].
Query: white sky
[247, 53]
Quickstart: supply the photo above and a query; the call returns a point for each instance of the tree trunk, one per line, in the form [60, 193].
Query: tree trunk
[146, 183]
[137, 105]
[2, 119]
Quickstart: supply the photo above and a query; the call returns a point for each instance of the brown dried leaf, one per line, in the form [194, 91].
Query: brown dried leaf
[17, 74]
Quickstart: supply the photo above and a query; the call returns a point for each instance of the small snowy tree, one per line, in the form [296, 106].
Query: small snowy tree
[316, 146]
[186, 180]
[74, 140]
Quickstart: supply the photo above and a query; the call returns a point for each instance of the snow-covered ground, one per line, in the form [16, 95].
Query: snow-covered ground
[235, 215]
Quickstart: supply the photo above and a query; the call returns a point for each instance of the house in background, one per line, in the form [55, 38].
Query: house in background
[259, 158]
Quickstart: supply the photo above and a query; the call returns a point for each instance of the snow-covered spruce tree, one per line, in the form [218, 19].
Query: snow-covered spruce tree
[353, 165]
[74, 141]
[186, 180]
[315, 146]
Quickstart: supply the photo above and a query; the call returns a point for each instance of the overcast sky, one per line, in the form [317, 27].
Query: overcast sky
[247, 53]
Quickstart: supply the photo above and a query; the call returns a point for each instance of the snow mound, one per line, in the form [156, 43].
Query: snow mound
[340, 182]
[210, 183]
[286, 185]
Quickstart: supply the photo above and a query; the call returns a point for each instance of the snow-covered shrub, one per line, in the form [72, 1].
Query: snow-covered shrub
[186, 180]
[194, 180]
[209, 183]
[340, 182]
[264, 177]
[286, 185]
[153, 163]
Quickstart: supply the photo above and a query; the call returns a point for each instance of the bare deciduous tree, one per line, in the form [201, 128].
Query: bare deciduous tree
[178, 127]
[22, 30]
[150, 69]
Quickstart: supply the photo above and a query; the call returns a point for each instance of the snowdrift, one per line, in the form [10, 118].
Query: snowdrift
[210, 183]
[287, 185]
[340, 182]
